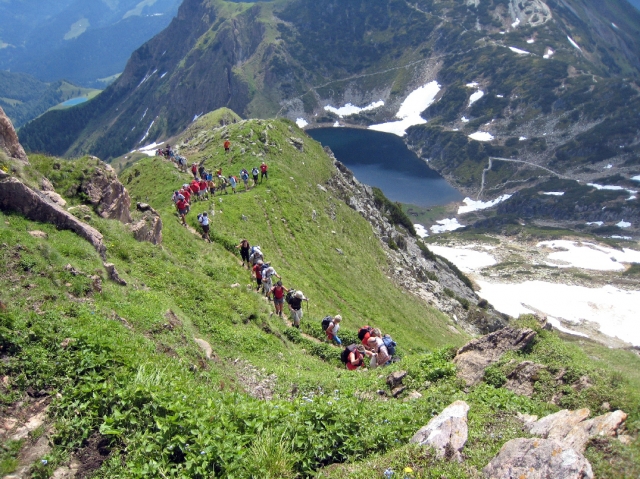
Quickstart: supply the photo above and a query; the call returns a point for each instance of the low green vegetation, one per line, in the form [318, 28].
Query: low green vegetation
[121, 362]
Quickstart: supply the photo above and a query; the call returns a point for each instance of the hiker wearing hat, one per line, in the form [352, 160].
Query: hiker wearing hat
[278, 292]
[332, 330]
[295, 307]
[257, 273]
[267, 272]
[263, 171]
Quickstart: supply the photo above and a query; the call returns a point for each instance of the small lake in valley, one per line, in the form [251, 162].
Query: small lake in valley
[383, 160]
[75, 101]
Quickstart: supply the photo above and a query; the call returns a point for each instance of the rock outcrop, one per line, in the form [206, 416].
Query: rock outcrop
[537, 459]
[574, 430]
[447, 432]
[9, 142]
[113, 274]
[16, 196]
[522, 379]
[149, 226]
[475, 356]
[425, 277]
[106, 194]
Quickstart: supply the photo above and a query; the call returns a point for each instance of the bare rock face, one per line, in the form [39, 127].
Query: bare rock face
[16, 196]
[574, 430]
[472, 358]
[107, 195]
[523, 377]
[9, 142]
[149, 227]
[538, 459]
[395, 378]
[447, 432]
[113, 274]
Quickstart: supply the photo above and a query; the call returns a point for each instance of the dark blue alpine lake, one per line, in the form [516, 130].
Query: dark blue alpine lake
[383, 160]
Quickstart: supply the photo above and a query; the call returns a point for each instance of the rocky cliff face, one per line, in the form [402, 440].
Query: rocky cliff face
[431, 279]
[9, 142]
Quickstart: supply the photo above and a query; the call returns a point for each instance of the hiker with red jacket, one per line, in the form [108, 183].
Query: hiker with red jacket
[257, 273]
[204, 188]
[186, 192]
[355, 356]
[195, 189]
[263, 171]
[227, 146]
[194, 170]
[183, 207]
[278, 292]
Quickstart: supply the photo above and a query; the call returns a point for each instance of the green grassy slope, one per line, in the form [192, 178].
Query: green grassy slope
[122, 363]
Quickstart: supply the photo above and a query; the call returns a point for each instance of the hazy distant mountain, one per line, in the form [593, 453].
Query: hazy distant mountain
[80, 40]
[635, 3]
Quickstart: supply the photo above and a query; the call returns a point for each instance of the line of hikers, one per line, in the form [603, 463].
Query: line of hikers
[263, 273]
[374, 345]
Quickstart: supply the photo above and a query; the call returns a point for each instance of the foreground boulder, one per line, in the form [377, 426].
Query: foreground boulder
[149, 227]
[447, 432]
[574, 430]
[16, 196]
[9, 142]
[106, 194]
[474, 357]
[538, 459]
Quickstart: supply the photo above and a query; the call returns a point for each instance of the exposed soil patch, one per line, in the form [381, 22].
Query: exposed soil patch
[95, 451]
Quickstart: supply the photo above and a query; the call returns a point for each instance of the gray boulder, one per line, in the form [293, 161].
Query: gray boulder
[149, 226]
[538, 459]
[106, 194]
[16, 196]
[523, 377]
[447, 432]
[474, 357]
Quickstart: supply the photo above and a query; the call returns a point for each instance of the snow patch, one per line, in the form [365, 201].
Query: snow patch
[147, 132]
[499, 96]
[481, 136]
[614, 310]
[573, 43]
[350, 109]
[522, 138]
[548, 54]
[516, 23]
[337, 124]
[409, 112]
[464, 119]
[624, 224]
[475, 97]
[447, 224]
[518, 51]
[421, 231]
[195, 117]
[615, 26]
[553, 193]
[588, 255]
[531, 40]
[473, 84]
[149, 150]
[468, 260]
[163, 75]
[636, 178]
[471, 205]
[301, 122]
[597, 223]
[608, 167]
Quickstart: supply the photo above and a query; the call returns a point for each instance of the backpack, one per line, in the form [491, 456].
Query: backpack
[390, 344]
[344, 356]
[326, 321]
[254, 172]
[289, 296]
[362, 332]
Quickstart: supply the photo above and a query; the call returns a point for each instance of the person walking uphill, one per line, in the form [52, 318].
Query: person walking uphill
[244, 247]
[332, 330]
[203, 219]
[278, 292]
[257, 273]
[227, 146]
[263, 171]
[194, 171]
[295, 308]
[268, 272]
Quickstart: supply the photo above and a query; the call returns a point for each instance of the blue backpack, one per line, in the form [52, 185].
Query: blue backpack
[390, 344]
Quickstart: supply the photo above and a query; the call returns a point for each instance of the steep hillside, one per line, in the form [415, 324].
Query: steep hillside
[180, 370]
[83, 41]
[296, 57]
